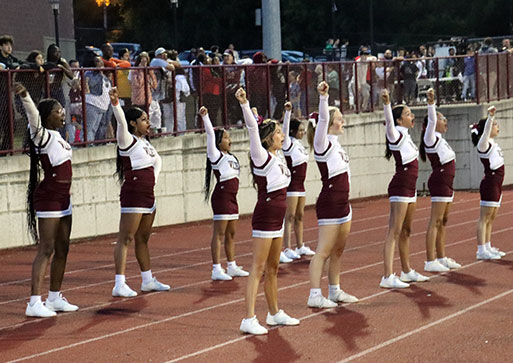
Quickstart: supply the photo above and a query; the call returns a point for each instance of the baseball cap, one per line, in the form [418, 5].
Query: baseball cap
[159, 51]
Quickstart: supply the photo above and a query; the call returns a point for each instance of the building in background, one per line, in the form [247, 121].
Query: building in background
[31, 23]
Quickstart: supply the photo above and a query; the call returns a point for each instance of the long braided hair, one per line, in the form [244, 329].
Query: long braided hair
[397, 111]
[45, 108]
[131, 114]
[208, 168]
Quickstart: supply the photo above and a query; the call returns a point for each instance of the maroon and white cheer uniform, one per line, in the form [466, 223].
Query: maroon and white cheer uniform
[272, 177]
[226, 169]
[141, 166]
[332, 205]
[52, 194]
[402, 187]
[297, 160]
[443, 161]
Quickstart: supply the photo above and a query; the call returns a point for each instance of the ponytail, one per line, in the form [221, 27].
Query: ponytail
[477, 130]
[397, 111]
[131, 114]
[422, 146]
[218, 134]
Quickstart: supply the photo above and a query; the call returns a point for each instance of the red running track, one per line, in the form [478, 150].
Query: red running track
[460, 316]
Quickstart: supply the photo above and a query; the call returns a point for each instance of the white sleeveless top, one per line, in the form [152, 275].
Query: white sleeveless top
[142, 154]
[336, 159]
[227, 166]
[275, 172]
[296, 152]
[494, 155]
[56, 148]
[405, 146]
[442, 148]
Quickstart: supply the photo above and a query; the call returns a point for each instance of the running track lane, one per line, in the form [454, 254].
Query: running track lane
[181, 336]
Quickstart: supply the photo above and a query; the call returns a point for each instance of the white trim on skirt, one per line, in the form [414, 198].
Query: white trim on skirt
[225, 217]
[443, 199]
[488, 203]
[401, 199]
[268, 234]
[54, 214]
[296, 194]
[139, 210]
[328, 221]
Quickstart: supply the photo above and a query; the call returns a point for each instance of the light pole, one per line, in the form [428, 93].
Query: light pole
[105, 4]
[55, 8]
[174, 6]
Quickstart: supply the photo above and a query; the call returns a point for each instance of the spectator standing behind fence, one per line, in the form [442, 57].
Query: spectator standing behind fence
[360, 83]
[141, 93]
[182, 92]
[278, 86]
[33, 81]
[159, 93]
[334, 83]
[294, 93]
[469, 75]
[257, 80]
[97, 97]
[233, 77]
[409, 76]
[211, 87]
[124, 88]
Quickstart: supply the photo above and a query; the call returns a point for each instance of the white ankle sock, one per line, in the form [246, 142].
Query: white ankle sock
[146, 276]
[53, 295]
[481, 248]
[216, 267]
[232, 264]
[34, 299]
[441, 259]
[119, 280]
[334, 288]
[315, 292]
[488, 245]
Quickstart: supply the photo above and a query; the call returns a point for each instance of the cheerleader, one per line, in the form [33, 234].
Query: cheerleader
[490, 153]
[224, 198]
[442, 159]
[402, 193]
[332, 208]
[138, 165]
[297, 160]
[48, 200]
[272, 177]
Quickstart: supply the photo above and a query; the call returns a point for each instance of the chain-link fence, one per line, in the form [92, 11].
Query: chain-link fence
[172, 99]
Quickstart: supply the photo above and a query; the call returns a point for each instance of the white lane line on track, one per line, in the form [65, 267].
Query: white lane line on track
[111, 265]
[425, 327]
[243, 255]
[237, 301]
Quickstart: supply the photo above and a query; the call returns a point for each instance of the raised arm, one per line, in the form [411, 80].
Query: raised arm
[484, 141]
[213, 152]
[123, 137]
[429, 135]
[256, 150]
[38, 133]
[321, 130]
[392, 133]
[286, 125]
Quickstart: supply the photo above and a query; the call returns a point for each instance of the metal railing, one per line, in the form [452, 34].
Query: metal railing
[174, 97]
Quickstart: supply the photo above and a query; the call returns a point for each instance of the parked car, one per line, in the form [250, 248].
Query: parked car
[292, 56]
[134, 48]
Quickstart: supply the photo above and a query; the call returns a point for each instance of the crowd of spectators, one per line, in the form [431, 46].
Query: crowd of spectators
[167, 90]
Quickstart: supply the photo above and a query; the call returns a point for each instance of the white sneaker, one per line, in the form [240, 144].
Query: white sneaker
[291, 254]
[435, 266]
[237, 271]
[341, 296]
[449, 263]
[123, 291]
[220, 275]
[280, 318]
[252, 326]
[392, 282]
[413, 276]
[305, 251]
[60, 304]
[320, 302]
[154, 285]
[39, 310]
[487, 255]
[497, 251]
[284, 259]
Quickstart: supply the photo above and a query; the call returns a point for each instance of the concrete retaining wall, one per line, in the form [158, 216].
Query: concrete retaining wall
[179, 190]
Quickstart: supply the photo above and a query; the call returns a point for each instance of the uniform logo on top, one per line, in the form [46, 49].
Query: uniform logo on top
[234, 164]
[284, 170]
[150, 151]
[64, 145]
[344, 156]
